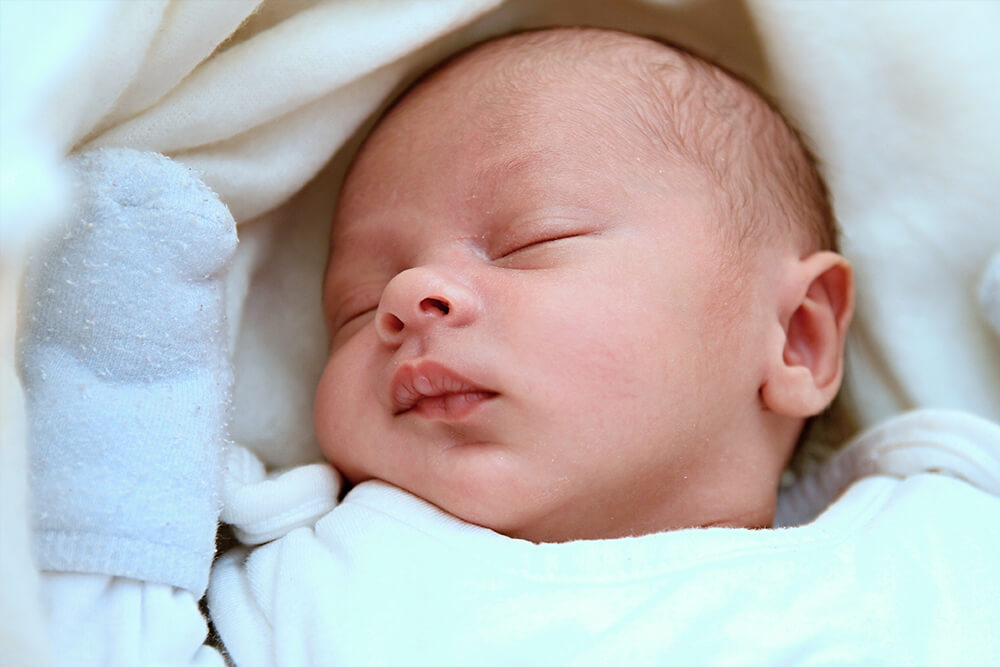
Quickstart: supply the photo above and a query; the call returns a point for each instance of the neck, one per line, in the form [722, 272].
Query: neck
[736, 487]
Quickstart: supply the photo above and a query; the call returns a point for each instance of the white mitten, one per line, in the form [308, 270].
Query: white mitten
[123, 356]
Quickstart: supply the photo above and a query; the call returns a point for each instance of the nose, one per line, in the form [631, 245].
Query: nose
[420, 298]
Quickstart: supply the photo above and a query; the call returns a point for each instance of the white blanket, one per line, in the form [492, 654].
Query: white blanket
[900, 101]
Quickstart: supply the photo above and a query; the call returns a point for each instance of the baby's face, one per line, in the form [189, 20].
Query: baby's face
[531, 326]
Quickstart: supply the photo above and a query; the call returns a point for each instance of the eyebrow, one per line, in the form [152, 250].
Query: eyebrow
[492, 175]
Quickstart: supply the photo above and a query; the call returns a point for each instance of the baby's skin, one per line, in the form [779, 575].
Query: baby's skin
[540, 323]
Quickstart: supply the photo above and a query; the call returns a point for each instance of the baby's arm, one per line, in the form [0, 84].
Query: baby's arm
[124, 361]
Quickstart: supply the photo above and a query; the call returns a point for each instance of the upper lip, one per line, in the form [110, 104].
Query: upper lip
[415, 381]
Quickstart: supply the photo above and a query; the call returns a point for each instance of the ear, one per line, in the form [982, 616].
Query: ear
[807, 360]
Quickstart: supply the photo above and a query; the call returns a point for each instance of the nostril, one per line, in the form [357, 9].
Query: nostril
[392, 323]
[431, 303]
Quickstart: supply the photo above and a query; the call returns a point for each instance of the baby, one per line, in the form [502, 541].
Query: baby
[582, 296]
[581, 285]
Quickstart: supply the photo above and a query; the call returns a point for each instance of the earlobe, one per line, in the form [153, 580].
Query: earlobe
[805, 373]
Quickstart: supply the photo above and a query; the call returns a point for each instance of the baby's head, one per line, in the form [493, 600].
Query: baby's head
[581, 285]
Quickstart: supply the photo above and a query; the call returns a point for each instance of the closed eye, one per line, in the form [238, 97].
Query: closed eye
[357, 315]
[354, 309]
[538, 244]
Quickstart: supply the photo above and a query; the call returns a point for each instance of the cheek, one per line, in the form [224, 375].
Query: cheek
[327, 416]
[339, 410]
[584, 347]
[622, 342]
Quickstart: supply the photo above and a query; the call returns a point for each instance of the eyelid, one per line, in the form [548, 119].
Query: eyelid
[356, 315]
[546, 239]
[546, 224]
[354, 306]
[540, 239]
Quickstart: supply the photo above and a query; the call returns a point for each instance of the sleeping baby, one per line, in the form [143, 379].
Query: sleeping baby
[574, 263]
[583, 293]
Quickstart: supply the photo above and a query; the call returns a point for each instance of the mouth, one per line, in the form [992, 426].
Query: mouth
[432, 390]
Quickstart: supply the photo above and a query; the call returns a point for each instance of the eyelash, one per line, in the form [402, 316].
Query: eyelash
[358, 314]
[541, 241]
[353, 313]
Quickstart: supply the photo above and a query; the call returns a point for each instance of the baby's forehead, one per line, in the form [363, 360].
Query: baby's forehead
[639, 95]
[490, 195]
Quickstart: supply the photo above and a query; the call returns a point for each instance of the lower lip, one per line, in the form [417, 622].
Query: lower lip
[451, 407]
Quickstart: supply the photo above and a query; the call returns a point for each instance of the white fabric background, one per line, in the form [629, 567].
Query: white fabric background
[899, 99]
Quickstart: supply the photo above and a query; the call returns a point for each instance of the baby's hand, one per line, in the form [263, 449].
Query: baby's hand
[124, 361]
